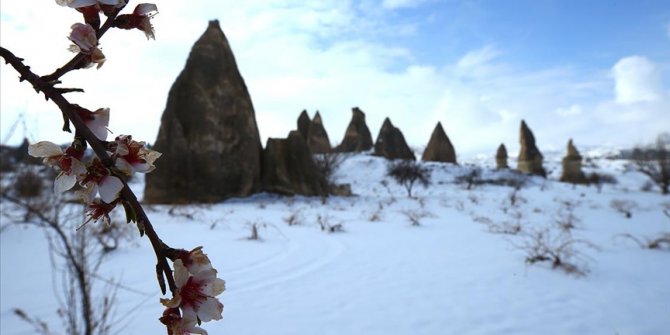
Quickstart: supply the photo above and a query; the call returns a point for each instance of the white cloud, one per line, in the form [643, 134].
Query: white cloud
[637, 79]
[569, 111]
[314, 55]
[395, 4]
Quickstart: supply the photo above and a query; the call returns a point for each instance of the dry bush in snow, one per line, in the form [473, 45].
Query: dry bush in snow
[560, 250]
[624, 207]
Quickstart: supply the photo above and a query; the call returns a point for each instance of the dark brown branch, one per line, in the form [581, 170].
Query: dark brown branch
[77, 59]
[55, 94]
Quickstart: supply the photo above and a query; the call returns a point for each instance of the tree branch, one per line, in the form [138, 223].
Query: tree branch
[56, 95]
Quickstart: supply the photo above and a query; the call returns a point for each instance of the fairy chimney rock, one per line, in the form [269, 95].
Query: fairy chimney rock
[391, 143]
[208, 134]
[530, 158]
[572, 166]
[303, 123]
[357, 137]
[439, 148]
[501, 157]
[317, 137]
[288, 167]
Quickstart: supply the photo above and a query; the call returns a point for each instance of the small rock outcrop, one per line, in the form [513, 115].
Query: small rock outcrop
[439, 148]
[303, 124]
[391, 143]
[572, 166]
[208, 135]
[501, 157]
[288, 167]
[357, 137]
[317, 137]
[530, 158]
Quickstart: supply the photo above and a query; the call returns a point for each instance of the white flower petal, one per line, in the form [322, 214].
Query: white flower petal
[145, 9]
[64, 182]
[180, 273]
[109, 188]
[214, 287]
[210, 309]
[98, 125]
[124, 166]
[44, 149]
[87, 194]
[77, 169]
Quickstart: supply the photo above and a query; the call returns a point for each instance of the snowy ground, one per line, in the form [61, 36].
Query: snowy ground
[454, 273]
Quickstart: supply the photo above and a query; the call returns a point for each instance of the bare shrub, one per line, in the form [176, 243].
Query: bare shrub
[186, 211]
[416, 215]
[407, 173]
[326, 224]
[326, 166]
[624, 207]
[77, 256]
[471, 178]
[655, 162]
[660, 242]
[505, 228]
[566, 219]
[293, 219]
[600, 179]
[28, 184]
[560, 250]
[377, 214]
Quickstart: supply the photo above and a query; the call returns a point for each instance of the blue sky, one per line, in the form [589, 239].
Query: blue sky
[596, 71]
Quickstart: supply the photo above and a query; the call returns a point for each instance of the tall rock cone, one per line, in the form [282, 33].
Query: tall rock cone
[357, 137]
[303, 124]
[439, 148]
[572, 166]
[317, 137]
[530, 158]
[208, 135]
[501, 157]
[391, 143]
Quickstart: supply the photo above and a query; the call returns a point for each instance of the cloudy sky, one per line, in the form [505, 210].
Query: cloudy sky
[597, 71]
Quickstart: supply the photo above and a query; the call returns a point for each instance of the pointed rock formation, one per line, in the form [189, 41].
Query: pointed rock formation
[303, 124]
[572, 166]
[357, 137]
[317, 137]
[391, 143]
[208, 135]
[530, 158]
[439, 148]
[501, 157]
[288, 167]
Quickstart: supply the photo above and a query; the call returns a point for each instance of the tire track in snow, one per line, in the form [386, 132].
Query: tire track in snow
[303, 260]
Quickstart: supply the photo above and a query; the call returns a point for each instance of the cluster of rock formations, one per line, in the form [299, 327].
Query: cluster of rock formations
[212, 151]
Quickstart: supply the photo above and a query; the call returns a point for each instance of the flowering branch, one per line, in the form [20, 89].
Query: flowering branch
[56, 95]
[77, 59]
[194, 285]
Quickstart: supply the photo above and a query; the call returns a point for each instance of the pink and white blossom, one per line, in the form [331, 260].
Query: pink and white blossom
[68, 163]
[99, 210]
[139, 19]
[196, 294]
[133, 156]
[99, 180]
[85, 41]
[96, 121]
[177, 325]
